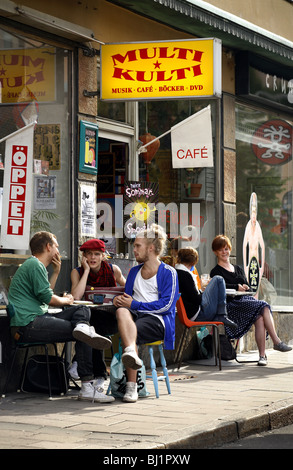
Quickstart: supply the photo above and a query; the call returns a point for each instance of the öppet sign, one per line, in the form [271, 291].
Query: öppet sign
[161, 70]
[17, 188]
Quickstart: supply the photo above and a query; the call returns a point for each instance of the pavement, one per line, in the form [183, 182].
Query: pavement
[206, 408]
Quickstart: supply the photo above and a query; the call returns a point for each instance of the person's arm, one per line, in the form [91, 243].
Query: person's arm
[56, 263]
[79, 283]
[58, 301]
[120, 279]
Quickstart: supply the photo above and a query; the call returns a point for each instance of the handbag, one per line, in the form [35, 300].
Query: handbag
[118, 377]
[35, 378]
[228, 353]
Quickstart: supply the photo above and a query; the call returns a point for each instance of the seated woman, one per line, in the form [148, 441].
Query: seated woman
[95, 271]
[209, 305]
[244, 310]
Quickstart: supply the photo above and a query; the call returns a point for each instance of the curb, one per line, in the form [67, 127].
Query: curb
[215, 435]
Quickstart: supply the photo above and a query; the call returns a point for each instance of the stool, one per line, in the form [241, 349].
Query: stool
[154, 375]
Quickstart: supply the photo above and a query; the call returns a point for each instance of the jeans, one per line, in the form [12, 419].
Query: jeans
[58, 327]
[213, 301]
[105, 324]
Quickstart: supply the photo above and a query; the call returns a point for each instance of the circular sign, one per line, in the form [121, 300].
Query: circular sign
[272, 142]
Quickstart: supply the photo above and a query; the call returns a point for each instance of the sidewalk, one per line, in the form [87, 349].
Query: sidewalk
[206, 408]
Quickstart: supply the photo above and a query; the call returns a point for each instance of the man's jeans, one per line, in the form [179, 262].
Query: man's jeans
[213, 302]
[58, 327]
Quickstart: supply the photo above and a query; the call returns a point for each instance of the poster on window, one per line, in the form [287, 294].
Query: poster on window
[88, 210]
[140, 200]
[45, 192]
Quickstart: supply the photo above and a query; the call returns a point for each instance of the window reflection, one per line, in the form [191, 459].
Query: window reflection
[264, 166]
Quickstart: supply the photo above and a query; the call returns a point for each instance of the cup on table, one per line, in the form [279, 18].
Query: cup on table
[204, 279]
[99, 299]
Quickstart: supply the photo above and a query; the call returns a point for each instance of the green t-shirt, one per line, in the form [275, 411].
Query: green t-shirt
[29, 293]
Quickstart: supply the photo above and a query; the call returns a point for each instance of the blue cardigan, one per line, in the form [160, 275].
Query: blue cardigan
[165, 305]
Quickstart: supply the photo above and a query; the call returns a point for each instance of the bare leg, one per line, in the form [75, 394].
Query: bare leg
[265, 323]
[128, 333]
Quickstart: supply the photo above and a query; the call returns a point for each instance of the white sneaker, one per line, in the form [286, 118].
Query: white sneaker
[90, 393]
[263, 361]
[72, 371]
[87, 334]
[130, 358]
[99, 383]
[131, 394]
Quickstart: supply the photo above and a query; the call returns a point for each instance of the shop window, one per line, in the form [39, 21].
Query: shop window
[36, 86]
[264, 167]
[174, 185]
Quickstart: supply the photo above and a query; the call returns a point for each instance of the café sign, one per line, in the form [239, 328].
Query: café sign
[161, 70]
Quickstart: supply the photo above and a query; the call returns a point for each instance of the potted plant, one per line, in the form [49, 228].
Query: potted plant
[192, 187]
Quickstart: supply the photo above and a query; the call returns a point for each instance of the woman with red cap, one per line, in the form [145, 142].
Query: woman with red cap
[95, 271]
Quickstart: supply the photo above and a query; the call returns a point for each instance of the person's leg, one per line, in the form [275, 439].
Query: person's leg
[130, 359]
[61, 327]
[213, 304]
[105, 323]
[260, 336]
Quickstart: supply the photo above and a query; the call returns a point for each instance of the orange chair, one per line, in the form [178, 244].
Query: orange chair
[181, 312]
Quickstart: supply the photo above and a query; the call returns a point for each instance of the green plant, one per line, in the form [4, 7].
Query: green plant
[40, 220]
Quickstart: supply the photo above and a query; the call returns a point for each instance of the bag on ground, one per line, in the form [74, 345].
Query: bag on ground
[35, 377]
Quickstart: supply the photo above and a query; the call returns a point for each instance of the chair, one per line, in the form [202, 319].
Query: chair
[27, 346]
[154, 375]
[235, 344]
[188, 324]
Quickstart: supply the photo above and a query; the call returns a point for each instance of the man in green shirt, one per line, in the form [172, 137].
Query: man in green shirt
[29, 296]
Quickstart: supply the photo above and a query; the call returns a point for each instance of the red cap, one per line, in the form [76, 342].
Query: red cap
[93, 244]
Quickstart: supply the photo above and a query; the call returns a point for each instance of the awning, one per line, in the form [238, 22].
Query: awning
[36, 19]
[201, 19]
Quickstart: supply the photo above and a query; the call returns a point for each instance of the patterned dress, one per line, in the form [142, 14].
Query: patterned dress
[244, 310]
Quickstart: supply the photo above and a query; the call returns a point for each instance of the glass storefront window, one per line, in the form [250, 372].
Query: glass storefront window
[156, 118]
[36, 86]
[264, 167]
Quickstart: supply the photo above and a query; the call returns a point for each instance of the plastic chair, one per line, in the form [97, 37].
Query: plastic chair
[154, 375]
[188, 324]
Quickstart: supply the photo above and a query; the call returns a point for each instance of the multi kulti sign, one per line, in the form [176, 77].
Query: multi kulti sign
[161, 70]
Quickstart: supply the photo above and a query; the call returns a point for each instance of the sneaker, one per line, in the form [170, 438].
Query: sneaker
[72, 371]
[263, 361]
[283, 347]
[130, 359]
[99, 383]
[131, 394]
[87, 334]
[90, 393]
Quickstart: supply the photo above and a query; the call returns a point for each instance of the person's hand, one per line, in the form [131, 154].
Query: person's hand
[243, 287]
[123, 300]
[56, 263]
[85, 264]
[69, 299]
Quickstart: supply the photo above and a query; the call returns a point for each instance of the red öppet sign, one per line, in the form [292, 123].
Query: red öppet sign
[17, 189]
[16, 208]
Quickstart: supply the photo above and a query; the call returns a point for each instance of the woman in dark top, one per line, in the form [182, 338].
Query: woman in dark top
[201, 306]
[244, 310]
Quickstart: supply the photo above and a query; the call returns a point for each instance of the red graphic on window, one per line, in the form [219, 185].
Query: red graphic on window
[272, 142]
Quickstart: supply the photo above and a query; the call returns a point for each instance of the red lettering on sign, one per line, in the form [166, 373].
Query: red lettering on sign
[17, 196]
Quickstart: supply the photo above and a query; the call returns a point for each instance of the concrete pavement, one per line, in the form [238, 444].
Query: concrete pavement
[206, 408]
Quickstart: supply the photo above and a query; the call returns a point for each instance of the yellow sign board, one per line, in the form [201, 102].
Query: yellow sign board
[161, 70]
[27, 75]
